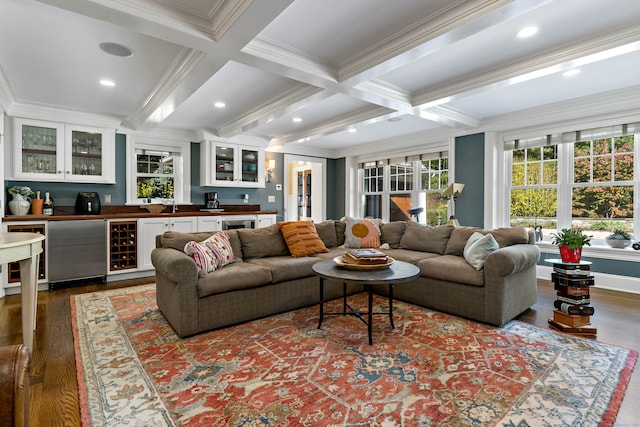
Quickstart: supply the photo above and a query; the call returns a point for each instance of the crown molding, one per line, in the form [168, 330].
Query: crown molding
[150, 113]
[333, 126]
[392, 146]
[7, 96]
[589, 110]
[291, 100]
[413, 42]
[57, 114]
[290, 58]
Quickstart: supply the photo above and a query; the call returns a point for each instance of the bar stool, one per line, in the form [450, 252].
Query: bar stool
[415, 212]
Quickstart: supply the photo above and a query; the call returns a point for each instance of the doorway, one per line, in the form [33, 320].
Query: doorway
[304, 188]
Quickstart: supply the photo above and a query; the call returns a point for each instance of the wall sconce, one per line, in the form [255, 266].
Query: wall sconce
[271, 165]
[453, 191]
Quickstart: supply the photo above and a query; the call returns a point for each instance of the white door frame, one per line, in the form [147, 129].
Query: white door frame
[290, 212]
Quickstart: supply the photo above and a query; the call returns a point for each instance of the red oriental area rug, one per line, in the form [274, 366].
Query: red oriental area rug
[432, 370]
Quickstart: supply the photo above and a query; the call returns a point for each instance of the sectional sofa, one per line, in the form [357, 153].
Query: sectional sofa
[266, 279]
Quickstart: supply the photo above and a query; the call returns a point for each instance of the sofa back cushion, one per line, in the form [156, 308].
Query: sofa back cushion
[177, 240]
[509, 236]
[458, 240]
[262, 242]
[341, 228]
[418, 237]
[327, 232]
[391, 233]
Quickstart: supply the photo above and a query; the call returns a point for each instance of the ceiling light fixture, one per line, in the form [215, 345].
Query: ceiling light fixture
[527, 32]
[572, 72]
[296, 119]
[219, 104]
[116, 49]
[107, 83]
[352, 130]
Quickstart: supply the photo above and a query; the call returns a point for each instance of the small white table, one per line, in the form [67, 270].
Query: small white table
[24, 248]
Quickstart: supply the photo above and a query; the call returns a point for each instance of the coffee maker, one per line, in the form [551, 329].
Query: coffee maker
[211, 200]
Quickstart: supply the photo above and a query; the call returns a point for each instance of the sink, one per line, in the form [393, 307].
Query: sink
[212, 210]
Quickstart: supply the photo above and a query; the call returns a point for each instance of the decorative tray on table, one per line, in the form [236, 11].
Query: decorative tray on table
[341, 262]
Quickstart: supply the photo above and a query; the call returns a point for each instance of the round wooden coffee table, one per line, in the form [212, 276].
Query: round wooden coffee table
[397, 272]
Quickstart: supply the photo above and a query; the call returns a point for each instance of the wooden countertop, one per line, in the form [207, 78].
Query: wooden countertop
[122, 212]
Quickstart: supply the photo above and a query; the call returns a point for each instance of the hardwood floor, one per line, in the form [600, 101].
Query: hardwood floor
[54, 400]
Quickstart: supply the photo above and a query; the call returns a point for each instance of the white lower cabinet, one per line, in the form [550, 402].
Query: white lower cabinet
[149, 228]
[209, 223]
[266, 220]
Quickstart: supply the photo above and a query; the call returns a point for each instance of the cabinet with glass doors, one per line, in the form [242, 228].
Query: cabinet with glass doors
[52, 151]
[232, 165]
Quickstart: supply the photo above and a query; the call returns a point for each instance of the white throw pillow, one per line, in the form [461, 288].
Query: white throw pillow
[478, 248]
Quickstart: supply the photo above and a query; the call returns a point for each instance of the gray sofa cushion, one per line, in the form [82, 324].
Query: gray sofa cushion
[423, 238]
[341, 228]
[510, 236]
[232, 277]
[327, 233]
[451, 268]
[408, 255]
[285, 268]
[262, 242]
[392, 232]
[333, 252]
[458, 240]
[177, 240]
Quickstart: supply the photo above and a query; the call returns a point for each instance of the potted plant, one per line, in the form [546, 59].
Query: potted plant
[619, 239]
[21, 200]
[570, 242]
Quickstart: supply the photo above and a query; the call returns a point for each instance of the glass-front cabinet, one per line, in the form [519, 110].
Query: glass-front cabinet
[51, 151]
[231, 165]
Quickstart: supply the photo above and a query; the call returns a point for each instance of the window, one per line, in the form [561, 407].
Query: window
[156, 170]
[391, 188]
[585, 179]
[154, 175]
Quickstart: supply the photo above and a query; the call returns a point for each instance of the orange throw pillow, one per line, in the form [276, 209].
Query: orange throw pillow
[302, 238]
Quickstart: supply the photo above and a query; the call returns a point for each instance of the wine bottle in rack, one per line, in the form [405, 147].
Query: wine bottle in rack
[47, 207]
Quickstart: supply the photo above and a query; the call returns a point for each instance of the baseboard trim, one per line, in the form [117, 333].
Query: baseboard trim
[611, 282]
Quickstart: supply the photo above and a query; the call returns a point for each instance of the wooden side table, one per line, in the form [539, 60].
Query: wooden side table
[572, 307]
[26, 249]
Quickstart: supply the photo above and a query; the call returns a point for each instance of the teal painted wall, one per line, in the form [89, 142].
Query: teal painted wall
[336, 180]
[469, 170]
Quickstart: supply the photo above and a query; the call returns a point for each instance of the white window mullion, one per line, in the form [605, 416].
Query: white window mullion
[565, 183]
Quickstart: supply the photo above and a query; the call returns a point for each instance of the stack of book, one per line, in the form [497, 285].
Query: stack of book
[573, 311]
[365, 257]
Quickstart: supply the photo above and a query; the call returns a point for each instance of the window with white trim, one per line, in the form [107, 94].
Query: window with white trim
[392, 188]
[586, 179]
[157, 170]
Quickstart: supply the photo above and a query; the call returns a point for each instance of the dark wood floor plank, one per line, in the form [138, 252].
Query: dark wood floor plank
[54, 394]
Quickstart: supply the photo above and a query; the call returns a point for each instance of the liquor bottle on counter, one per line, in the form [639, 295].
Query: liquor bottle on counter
[47, 208]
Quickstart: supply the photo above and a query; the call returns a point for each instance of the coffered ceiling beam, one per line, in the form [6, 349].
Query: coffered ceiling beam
[287, 103]
[461, 20]
[337, 124]
[616, 42]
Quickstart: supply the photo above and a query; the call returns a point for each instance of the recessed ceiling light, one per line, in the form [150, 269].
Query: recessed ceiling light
[572, 72]
[352, 130]
[116, 49]
[219, 104]
[394, 119]
[297, 119]
[527, 32]
[107, 83]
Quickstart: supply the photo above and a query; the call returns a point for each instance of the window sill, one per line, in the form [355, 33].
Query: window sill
[597, 251]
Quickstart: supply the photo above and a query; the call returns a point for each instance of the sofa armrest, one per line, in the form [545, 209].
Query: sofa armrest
[14, 385]
[512, 259]
[176, 266]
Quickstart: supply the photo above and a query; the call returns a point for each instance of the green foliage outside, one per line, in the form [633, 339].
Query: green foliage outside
[595, 161]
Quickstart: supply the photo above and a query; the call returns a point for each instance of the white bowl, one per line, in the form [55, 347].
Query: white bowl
[619, 244]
